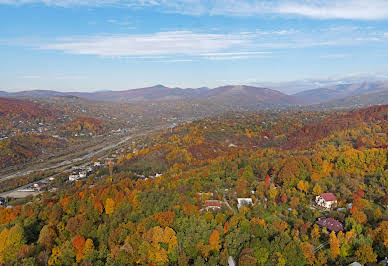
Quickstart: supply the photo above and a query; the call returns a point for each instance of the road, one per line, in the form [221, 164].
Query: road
[64, 163]
[62, 167]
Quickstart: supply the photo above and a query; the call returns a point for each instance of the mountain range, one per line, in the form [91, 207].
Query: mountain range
[341, 91]
[226, 94]
[366, 93]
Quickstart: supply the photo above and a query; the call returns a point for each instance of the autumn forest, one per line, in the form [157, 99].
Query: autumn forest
[239, 187]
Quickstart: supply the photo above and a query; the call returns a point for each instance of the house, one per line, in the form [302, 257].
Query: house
[97, 164]
[73, 178]
[244, 202]
[212, 205]
[326, 200]
[331, 224]
[82, 174]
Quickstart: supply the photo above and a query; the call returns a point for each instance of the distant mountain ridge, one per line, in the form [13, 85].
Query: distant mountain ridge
[362, 100]
[342, 91]
[249, 94]
[344, 95]
[232, 94]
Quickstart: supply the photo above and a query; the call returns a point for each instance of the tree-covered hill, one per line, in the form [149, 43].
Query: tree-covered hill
[149, 207]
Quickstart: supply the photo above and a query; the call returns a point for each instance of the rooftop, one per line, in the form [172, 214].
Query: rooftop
[331, 224]
[329, 196]
[213, 203]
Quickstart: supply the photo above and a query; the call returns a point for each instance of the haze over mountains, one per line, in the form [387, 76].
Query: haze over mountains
[366, 93]
[326, 94]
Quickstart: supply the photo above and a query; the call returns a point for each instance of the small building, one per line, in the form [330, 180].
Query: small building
[212, 205]
[326, 200]
[73, 178]
[82, 174]
[244, 202]
[331, 224]
[97, 164]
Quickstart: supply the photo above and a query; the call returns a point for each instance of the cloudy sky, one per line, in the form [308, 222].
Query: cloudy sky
[93, 45]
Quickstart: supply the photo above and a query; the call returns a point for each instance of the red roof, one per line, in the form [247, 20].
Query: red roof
[331, 224]
[329, 197]
[212, 203]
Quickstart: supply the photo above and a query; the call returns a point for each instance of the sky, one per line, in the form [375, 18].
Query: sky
[91, 45]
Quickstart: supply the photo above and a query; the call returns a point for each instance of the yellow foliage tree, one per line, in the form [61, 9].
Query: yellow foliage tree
[317, 190]
[3, 241]
[334, 245]
[303, 186]
[214, 241]
[109, 206]
[89, 247]
[381, 233]
[308, 252]
[365, 254]
[54, 259]
[154, 251]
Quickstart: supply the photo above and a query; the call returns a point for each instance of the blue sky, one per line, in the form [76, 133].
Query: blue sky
[88, 45]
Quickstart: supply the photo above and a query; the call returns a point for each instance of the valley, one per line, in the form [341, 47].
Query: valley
[193, 132]
[226, 178]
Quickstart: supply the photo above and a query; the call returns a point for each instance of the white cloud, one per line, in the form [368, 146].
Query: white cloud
[95, 3]
[173, 45]
[374, 39]
[335, 56]
[174, 61]
[236, 57]
[334, 9]
[158, 44]
[118, 22]
[30, 77]
[236, 54]
[320, 9]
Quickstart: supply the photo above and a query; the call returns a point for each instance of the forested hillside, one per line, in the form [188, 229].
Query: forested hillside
[32, 128]
[174, 199]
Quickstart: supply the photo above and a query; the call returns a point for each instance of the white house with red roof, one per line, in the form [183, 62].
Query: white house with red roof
[326, 200]
[212, 205]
